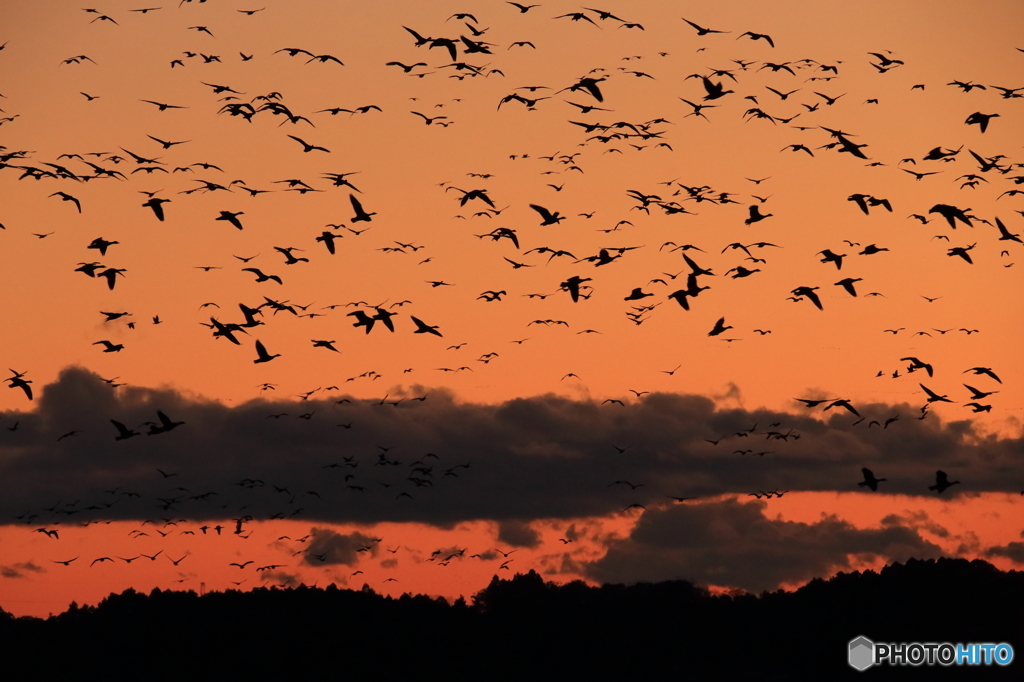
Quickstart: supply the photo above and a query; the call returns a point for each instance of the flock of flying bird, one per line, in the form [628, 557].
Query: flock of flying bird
[463, 39]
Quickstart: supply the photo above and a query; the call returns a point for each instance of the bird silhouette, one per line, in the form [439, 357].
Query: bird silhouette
[934, 397]
[1004, 234]
[755, 215]
[719, 327]
[713, 90]
[123, 432]
[231, 218]
[361, 215]
[981, 120]
[942, 482]
[424, 328]
[952, 214]
[808, 293]
[156, 204]
[701, 31]
[572, 285]
[830, 257]
[166, 424]
[987, 371]
[101, 245]
[916, 364]
[844, 404]
[870, 480]
[307, 147]
[548, 217]
[979, 395]
[848, 284]
[757, 36]
[262, 277]
[109, 347]
[18, 381]
[67, 197]
[262, 354]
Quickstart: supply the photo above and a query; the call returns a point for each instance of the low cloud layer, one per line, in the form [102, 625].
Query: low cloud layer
[439, 461]
[734, 544]
[329, 547]
[518, 534]
[20, 570]
[1014, 551]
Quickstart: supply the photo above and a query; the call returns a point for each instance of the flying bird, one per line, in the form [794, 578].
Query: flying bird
[758, 36]
[231, 218]
[548, 217]
[942, 482]
[719, 327]
[123, 432]
[755, 215]
[424, 328]
[701, 31]
[987, 371]
[157, 205]
[18, 381]
[870, 480]
[361, 215]
[933, 396]
[67, 197]
[262, 354]
[307, 147]
[808, 293]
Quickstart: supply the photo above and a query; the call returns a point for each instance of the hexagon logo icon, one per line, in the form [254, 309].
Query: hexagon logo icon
[862, 653]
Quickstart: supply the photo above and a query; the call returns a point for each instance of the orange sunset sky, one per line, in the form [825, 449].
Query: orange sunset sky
[532, 431]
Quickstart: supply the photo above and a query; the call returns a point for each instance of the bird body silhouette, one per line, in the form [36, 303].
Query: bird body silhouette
[870, 480]
[123, 432]
[719, 327]
[942, 482]
[361, 215]
[262, 354]
[424, 328]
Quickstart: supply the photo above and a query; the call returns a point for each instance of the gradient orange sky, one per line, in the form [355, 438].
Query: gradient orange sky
[404, 168]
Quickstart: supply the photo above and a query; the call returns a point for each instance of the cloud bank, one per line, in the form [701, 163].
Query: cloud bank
[734, 544]
[440, 461]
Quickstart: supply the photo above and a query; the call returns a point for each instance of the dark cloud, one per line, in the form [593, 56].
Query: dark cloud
[561, 564]
[970, 543]
[280, 578]
[19, 570]
[446, 554]
[329, 547]
[916, 520]
[734, 544]
[1014, 551]
[572, 534]
[731, 392]
[545, 457]
[518, 534]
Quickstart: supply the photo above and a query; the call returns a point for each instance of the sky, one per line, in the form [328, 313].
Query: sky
[612, 396]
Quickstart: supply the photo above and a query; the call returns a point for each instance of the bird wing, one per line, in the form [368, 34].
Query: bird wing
[544, 213]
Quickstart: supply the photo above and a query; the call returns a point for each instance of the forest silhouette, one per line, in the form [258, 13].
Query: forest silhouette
[525, 626]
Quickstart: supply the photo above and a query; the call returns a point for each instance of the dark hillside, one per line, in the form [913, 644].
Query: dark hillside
[524, 626]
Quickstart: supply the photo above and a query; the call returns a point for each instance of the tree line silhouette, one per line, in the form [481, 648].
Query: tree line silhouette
[525, 626]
